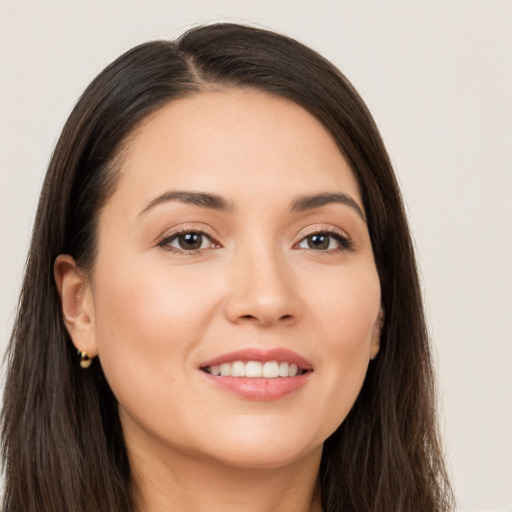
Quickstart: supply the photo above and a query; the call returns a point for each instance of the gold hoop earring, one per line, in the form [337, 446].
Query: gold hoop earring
[85, 360]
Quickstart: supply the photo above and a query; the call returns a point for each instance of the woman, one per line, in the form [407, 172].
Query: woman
[221, 238]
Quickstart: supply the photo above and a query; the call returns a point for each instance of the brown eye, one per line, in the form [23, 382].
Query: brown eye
[325, 241]
[190, 241]
[319, 242]
[187, 242]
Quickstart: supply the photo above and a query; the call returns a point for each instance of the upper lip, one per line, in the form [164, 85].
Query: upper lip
[261, 355]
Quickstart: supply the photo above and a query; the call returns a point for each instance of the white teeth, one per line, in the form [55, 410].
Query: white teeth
[271, 370]
[253, 369]
[268, 370]
[238, 369]
[225, 369]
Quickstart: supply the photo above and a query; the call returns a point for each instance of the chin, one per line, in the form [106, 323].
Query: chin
[266, 459]
[266, 451]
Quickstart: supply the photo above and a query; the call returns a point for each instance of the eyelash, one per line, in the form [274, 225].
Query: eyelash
[341, 238]
[164, 243]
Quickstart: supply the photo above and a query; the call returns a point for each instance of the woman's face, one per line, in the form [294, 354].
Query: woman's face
[235, 242]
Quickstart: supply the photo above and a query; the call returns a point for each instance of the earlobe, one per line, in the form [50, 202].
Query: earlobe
[377, 329]
[76, 303]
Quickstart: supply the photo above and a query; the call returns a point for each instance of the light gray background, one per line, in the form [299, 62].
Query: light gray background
[437, 76]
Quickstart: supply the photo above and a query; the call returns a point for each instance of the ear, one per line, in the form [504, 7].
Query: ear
[377, 329]
[76, 302]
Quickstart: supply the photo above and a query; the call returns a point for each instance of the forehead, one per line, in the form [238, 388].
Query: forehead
[235, 142]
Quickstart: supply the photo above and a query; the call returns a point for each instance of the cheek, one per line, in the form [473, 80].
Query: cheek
[151, 301]
[147, 324]
[345, 316]
[346, 308]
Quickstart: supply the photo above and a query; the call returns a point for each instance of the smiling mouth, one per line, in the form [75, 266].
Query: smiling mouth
[258, 374]
[255, 369]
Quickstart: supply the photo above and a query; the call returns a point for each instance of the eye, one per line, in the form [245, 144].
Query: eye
[187, 241]
[324, 241]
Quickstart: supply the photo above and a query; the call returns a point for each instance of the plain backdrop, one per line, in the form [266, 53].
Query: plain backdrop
[437, 76]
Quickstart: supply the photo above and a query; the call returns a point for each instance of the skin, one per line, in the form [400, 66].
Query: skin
[153, 313]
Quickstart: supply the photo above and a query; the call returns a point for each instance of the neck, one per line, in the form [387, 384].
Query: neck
[168, 480]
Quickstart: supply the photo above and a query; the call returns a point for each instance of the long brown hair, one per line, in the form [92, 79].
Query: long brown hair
[63, 448]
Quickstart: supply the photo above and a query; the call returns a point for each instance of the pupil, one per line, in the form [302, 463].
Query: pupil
[190, 241]
[318, 242]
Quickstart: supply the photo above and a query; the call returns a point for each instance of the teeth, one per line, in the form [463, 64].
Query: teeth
[271, 370]
[253, 369]
[238, 369]
[268, 370]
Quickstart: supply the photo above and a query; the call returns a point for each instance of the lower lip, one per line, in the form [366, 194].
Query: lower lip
[260, 388]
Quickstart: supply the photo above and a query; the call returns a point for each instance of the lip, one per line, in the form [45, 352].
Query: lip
[260, 389]
[263, 356]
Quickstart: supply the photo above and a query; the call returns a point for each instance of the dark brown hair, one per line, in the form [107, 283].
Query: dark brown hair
[63, 448]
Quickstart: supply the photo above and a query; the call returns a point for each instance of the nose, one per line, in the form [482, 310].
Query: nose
[262, 290]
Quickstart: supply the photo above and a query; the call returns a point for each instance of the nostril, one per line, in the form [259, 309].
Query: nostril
[264, 320]
[251, 307]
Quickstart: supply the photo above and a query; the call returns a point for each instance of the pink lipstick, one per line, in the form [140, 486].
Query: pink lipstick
[258, 374]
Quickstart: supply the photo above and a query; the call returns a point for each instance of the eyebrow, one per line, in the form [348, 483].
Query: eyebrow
[310, 202]
[215, 202]
[201, 199]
